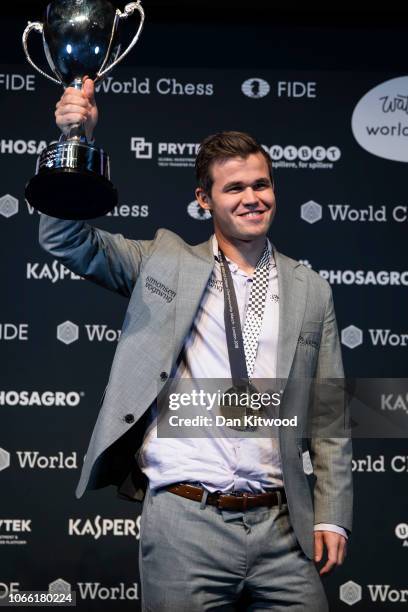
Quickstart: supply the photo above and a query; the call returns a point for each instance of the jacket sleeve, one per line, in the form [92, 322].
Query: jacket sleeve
[331, 456]
[110, 260]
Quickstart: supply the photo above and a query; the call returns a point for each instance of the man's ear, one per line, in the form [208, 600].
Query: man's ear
[202, 198]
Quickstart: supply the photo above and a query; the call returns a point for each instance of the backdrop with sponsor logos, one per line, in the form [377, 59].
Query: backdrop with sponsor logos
[338, 142]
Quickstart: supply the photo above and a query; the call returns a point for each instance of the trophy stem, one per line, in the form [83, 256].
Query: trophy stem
[77, 131]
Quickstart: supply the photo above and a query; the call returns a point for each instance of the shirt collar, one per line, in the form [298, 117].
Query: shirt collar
[232, 265]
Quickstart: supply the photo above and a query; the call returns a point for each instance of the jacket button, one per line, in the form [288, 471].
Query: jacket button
[163, 376]
[129, 418]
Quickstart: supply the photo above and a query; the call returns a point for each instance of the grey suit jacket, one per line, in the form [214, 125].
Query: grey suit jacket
[154, 329]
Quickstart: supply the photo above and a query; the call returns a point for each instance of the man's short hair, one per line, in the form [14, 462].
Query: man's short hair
[223, 146]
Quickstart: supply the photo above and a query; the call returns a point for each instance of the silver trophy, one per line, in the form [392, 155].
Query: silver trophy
[80, 38]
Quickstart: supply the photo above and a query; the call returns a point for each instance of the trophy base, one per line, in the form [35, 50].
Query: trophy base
[72, 182]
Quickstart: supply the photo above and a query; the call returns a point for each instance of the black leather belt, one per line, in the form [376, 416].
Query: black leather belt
[239, 500]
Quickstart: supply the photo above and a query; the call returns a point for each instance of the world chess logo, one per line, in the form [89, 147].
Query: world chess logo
[351, 336]
[350, 593]
[141, 148]
[311, 211]
[8, 206]
[4, 459]
[59, 586]
[67, 332]
[197, 212]
[255, 88]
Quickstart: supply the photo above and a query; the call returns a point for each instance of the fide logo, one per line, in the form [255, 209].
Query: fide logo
[255, 88]
[197, 212]
[350, 593]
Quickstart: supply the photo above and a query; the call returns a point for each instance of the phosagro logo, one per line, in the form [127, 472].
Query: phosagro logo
[361, 277]
[255, 88]
[43, 398]
[22, 147]
[311, 212]
[8, 206]
[68, 332]
[401, 531]
[197, 212]
[303, 157]
[98, 526]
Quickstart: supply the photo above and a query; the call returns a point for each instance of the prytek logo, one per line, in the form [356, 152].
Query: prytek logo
[141, 148]
[167, 154]
[4, 459]
[11, 331]
[303, 157]
[255, 88]
[98, 527]
[350, 593]
[197, 212]
[53, 272]
[17, 82]
[22, 147]
[11, 530]
[37, 398]
[351, 336]
[8, 206]
[68, 332]
[311, 212]
[401, 531]
[163, 86]
[379, 122]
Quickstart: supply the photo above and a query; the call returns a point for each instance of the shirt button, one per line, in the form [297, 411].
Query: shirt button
[128, 418]
[163, 376]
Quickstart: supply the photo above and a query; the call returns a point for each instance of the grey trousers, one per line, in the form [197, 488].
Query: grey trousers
[195, 557]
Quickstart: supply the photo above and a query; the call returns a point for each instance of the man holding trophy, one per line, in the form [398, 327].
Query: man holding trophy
[220, 515]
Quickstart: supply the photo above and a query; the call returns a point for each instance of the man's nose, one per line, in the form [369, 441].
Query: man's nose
[249, 196]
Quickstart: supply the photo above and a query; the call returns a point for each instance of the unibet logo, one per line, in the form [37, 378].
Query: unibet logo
[141, 148]
[59, 586]
[401, 531]
[4, 459]
[8, 206]
[351, 336]
[67, 332]
[350, 593]
[255, 88]
[311, 211]
[197, 212]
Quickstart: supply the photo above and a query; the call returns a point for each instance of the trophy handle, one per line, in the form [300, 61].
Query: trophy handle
[129, 10]
[38, 27]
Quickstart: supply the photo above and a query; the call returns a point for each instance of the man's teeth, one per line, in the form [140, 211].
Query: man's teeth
[252, 214]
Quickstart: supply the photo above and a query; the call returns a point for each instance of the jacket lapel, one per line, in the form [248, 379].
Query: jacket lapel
[196, 265]
[292, 303]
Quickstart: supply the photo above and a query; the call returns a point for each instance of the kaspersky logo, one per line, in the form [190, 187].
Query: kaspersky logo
[350, 593]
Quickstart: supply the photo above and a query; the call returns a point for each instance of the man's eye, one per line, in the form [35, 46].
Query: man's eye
[262, 185]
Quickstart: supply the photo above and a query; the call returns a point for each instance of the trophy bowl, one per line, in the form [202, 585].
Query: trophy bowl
[80, 38]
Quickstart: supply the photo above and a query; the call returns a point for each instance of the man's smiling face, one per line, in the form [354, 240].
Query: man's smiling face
[242, 199]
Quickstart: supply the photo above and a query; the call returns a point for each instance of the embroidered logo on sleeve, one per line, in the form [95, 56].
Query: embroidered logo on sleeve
[155, 286]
